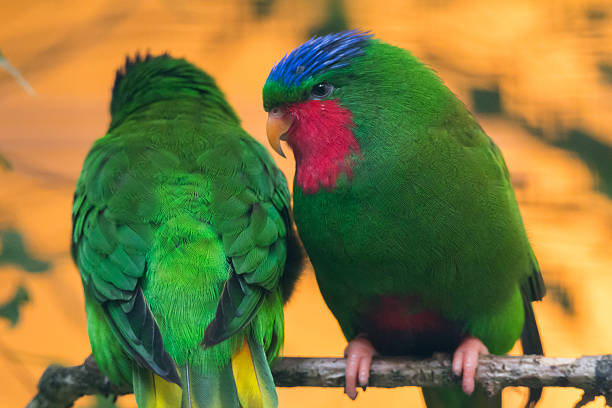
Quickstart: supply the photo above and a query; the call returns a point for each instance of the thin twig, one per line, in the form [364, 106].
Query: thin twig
[16, 74]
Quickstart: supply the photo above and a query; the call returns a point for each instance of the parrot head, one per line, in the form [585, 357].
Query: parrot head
[146, 79]
[336, 98]
[302, 98]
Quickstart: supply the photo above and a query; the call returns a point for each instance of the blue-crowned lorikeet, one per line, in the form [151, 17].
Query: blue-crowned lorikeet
[179, 218]
[405, 208]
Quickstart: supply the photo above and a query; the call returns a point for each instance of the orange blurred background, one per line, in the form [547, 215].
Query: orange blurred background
[537, 74]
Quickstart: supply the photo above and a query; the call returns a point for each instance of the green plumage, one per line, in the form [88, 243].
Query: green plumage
[428, 215]
[172, 203]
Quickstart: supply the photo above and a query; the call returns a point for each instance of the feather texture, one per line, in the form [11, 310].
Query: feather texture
[426, 216]
[169, 201]
[318, 54]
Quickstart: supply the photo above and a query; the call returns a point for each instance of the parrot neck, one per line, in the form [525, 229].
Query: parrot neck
[323, 144]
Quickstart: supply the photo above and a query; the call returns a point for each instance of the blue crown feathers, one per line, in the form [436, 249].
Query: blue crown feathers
[319, 54]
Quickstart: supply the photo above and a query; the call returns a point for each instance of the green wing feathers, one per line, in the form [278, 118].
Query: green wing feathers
[110, 251]
[532, 289]
[180, 220]
[252, 218]
[109, 352]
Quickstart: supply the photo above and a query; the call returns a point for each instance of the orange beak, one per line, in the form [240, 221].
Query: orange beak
[277, 127]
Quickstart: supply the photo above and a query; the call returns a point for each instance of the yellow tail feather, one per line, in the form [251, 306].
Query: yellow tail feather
[252, 385]
[246, 378]
[250, 393]
[152, 391]
[166, 394]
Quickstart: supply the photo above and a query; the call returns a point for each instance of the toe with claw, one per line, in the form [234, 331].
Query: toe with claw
[358, 355]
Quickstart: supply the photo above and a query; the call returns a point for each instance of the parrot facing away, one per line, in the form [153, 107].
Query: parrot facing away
[181, 220]
[405, 208]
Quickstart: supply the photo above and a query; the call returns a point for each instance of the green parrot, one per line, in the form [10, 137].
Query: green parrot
[406, 210]
[181, 221]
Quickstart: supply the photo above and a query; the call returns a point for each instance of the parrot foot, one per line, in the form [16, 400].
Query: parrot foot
[358, 355]
[465, 361]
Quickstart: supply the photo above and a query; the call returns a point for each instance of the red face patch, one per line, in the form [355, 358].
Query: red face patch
[323, 143]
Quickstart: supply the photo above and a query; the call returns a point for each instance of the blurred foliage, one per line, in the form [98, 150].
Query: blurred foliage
[335, 19]
[606, 70]
[595, 13]
[561, 295]
[594, 153]
[262, 8]
[487, 100]
[588, 148]
[13, 251]
[5, 164]
[10, 310]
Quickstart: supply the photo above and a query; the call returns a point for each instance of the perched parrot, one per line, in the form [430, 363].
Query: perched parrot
[180, 217]
[406, 210]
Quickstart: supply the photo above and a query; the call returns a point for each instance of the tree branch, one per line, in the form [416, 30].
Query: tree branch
[60, 386]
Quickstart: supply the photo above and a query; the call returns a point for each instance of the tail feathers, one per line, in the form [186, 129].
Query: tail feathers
[254, 381]
[208, 391]
[245, 382]
[532, 344]
[152, 391]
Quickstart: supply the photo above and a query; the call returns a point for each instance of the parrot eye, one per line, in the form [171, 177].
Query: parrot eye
[321, 91]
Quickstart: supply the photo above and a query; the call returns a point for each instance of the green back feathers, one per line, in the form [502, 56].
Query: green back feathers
[147, 79]
[412, 94]
[173, 204]
[428, 212]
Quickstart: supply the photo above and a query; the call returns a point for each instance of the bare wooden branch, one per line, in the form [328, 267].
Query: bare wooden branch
[60, 386]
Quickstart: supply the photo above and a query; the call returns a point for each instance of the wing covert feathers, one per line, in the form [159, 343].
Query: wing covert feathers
[252, 218]
[139, 334]
[237, 305]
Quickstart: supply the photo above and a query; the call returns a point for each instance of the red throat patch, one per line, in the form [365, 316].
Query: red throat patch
[323, 143]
